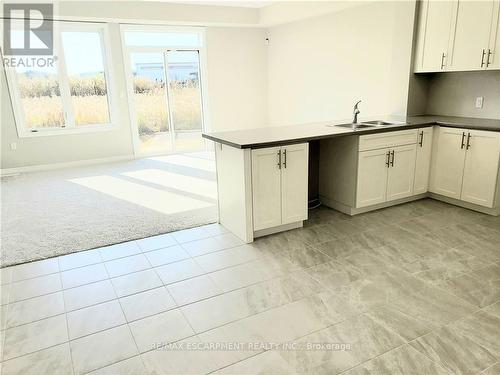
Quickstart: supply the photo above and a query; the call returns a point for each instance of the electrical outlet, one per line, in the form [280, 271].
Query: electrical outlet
[479, 102]
[13, 146]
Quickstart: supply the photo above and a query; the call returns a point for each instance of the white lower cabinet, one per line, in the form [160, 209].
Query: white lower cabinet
[423, 161]
[401, 172]
[279, 185]
[481, 168]
[372, 177]
[385, 175]
[465, 165]
[448, 162]
[266, 187]
[294, 183]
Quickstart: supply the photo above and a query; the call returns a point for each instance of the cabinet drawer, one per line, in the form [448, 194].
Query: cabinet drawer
[389, 139]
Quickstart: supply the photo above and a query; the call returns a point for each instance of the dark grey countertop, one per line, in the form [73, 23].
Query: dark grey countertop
[281, 135]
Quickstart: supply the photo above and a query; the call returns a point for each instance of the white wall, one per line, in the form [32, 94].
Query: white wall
[320, 66]
[281, 12]
[237, 78]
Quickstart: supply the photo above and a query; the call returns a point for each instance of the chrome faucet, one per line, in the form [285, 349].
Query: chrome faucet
[356, 112]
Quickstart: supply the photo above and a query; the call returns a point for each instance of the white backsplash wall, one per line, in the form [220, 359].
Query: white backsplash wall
[454, 94]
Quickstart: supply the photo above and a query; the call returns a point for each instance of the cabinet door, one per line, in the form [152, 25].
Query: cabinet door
[448, 162]
[294, 183]
[401, 173]
[481, 168]
[423, 161]
[372, 177]
[433, 35]
[494, 48]
[266, 188]
[472, 33]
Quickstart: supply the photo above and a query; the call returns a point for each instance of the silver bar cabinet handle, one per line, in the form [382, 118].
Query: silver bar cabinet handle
[284, 158]
[482, 57]
[279, 159]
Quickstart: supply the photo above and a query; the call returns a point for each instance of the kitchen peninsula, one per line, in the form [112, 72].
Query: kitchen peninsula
[262, 174]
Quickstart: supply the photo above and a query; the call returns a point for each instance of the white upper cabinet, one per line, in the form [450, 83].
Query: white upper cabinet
[448, 162]
[469, 46]
[481, 167]
[423, 162]
[266, 187]
[294, 183]
[493, 58]
[457, 36]
[434, 29]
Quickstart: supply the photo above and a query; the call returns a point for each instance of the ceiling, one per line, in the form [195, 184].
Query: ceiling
[227, 3]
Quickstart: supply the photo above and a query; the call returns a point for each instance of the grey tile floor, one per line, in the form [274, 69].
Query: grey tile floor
[412, 289]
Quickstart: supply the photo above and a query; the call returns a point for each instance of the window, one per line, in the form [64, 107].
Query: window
[70, 95]
[84, 59]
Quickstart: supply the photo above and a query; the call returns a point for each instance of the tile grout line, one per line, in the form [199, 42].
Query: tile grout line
[97, 281]
[143, 253]
[244, 287]
[146, 290]
[97, 249]
[278, 276]
[487, 368]
[195, 334]
[126, 323]
[203, 299]
[173, 299]
[111, 278]
[67, 326]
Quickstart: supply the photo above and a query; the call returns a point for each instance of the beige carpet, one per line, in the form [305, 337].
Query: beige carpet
[57, 212]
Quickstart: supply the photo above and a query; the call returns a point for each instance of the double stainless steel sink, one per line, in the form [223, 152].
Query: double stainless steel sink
[379, 123]
[366, 124]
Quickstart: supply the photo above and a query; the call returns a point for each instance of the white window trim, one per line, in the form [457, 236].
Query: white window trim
[70, 126]
[202, 50]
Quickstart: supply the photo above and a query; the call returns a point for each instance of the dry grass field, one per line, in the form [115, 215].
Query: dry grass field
[42, 103]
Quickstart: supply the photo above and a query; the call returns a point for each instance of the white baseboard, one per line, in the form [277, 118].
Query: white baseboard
[351, 211]
[48, 167]
[279, 228]
[470, 206]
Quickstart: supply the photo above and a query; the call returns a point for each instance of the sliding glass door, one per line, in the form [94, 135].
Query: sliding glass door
[167, 101]
[184, 93]
[150, 103]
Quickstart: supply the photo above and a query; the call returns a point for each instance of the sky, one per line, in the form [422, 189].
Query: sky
[82, 51]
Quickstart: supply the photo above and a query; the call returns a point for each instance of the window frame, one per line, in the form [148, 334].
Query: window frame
[70, 126]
